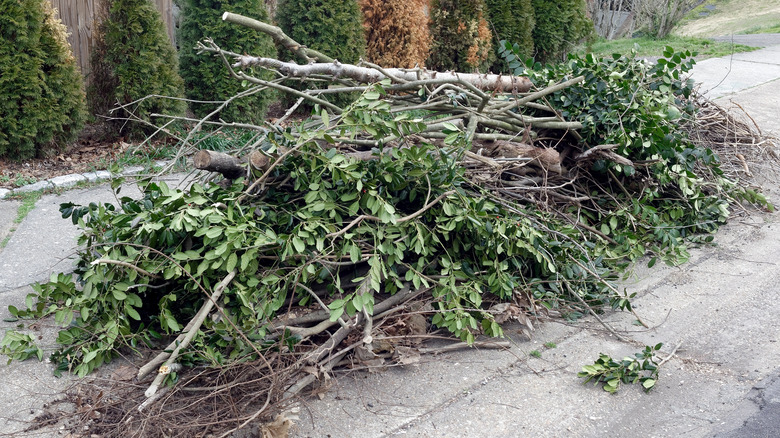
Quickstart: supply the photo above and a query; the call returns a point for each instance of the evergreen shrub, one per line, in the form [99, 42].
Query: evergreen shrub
[133, 58]
[560, 25]
[397, 32]
[512, 21]
[41, 89]
[333, 27]
[206, 78]
[461, 36]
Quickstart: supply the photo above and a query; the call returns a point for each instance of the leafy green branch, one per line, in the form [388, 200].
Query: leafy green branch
[642, 368]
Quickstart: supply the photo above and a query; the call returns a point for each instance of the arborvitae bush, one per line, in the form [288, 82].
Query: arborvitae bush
[41, 89]
[132, 58]
[513, 21]
[206, 77]
[102, 81]
[397, 32]
[461, 36]
[333, 27]
[560, 25]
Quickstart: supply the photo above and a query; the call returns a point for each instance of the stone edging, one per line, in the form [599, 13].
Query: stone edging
[66, 181]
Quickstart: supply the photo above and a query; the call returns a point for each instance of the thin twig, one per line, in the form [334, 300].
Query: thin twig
[125, 265]
[671, 355]
[594, 314]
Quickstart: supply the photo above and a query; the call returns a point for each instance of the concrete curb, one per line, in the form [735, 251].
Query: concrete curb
[70, 180]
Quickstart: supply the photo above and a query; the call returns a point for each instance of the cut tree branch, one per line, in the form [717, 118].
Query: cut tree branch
[329, 66]
[229, 166]
[304, 53]
[367, 75]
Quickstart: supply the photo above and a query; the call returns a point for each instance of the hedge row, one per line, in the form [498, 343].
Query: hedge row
[41, 93]
[43, 101]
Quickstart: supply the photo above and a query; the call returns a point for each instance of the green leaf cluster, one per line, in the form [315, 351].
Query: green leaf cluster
[205, 77]
[641, 108]
[42, 95]
[642, 369]
[132, 58]
[19, 346]
[351, 228]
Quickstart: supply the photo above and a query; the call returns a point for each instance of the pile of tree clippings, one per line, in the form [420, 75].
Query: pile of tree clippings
[736, 138]
[435, 205]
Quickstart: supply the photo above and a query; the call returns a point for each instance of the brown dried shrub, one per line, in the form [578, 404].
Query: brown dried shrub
[396, 31]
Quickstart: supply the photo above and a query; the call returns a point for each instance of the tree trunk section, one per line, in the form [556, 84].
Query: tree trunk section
[230, 167]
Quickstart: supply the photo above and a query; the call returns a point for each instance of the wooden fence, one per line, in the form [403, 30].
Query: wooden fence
[79, 17]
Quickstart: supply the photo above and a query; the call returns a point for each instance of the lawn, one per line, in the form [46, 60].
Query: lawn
[726, 17]
[709, 19]
[650, 47]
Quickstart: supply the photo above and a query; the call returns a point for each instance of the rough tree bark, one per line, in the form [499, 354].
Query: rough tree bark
[229, 166]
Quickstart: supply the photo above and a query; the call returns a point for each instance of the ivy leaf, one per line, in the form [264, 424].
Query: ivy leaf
[214, 232]
[89, 356]
[170, 321]
[232, 261]
[132, 313]
[298, 244]
[325, 118]
[118, 294]
[335, 314]
[652, 262]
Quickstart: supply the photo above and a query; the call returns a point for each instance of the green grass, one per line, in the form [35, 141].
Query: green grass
[18, 180]
[28, 204]
[695, 13]
[146, 155]
[763, 29]
[730, 17]
[655, 47]
[536, 354]
[224, 139]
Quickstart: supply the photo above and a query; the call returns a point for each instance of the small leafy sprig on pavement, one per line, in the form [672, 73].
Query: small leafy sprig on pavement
[643, 368]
